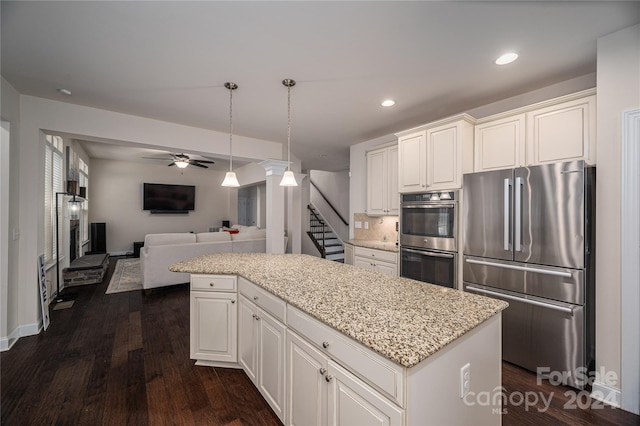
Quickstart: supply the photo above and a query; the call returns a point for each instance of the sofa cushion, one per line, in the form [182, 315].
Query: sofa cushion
[170, 238]
[250, 235]
[245, 228]
[206, 237]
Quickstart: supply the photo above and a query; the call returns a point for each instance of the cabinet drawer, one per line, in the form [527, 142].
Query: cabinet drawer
[267, 301]
[385, 256]
[213, 282]
[373, 368]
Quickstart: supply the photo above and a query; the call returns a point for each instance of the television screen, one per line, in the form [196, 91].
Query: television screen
[168, 198]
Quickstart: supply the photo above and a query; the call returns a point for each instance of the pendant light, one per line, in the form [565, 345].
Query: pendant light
[288, 179]
[230, 178]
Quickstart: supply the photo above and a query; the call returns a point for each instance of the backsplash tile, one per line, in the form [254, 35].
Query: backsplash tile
[381, 228]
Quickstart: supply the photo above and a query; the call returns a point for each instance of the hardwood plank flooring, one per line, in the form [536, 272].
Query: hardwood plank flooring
[124, 359]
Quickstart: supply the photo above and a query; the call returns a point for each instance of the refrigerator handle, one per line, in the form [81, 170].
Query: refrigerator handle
[518, 215]
[507, 214]
[520, 299]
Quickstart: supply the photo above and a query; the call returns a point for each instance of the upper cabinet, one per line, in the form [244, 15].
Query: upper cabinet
[561, 129]
[434, 157]
[562, 132]
[382, 181]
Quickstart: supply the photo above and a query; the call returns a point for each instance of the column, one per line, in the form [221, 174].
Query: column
[275, 205]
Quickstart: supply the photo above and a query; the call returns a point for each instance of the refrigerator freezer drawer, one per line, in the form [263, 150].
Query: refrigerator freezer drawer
[542, 334]
[562, 284]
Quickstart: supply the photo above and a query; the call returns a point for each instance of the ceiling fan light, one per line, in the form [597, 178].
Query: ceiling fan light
[230, 180]
[288, 179]
[182, 164]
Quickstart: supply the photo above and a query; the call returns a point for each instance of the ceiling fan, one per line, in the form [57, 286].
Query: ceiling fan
[183, 160]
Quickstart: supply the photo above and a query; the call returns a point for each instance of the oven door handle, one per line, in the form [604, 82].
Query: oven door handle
[520, 299]
[427, 206]
[429, 253]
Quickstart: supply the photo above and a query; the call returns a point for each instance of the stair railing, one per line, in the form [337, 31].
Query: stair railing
[317, 219]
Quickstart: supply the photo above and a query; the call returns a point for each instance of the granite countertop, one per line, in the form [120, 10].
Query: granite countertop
[404, 320]
[374, 244]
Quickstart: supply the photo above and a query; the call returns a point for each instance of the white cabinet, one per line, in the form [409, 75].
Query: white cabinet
[261, 347]
[322, 392]
[213, 320]
[353, 402]
[500, 144]
[562, 132]
[348, 254]
[412, 162]
[382, 181]
[435, 156]
[376, 260]
[561, 129]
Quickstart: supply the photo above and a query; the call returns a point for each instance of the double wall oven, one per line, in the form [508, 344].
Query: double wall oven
[428, 237]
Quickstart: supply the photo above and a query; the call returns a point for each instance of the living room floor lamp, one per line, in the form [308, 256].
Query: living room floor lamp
[59, 297]
[230, 178]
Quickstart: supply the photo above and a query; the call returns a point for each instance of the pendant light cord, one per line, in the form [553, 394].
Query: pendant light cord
[230, 129]
[288, 127]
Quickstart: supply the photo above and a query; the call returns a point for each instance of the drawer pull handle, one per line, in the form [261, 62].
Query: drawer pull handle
[323, 371]
[325, 345]
[328, 378]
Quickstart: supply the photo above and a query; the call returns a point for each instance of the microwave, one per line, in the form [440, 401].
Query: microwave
[429, 220]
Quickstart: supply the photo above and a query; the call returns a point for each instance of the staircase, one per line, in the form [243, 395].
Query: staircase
[323, 237]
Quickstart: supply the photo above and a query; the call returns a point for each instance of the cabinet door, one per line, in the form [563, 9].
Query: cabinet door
[348, 254]
[393, 196]
[387, 268]
[500, 144]
[247, 338]
[443, 157]
[377, 182]
[562, 132]
[353, 402]
[271, 353]
[306, 385]
[213, 326]
[412, 153]
[362, 263]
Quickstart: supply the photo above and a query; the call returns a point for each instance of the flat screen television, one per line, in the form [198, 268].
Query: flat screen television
[163, 198]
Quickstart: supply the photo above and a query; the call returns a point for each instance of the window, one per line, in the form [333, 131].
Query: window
[83, 181]
[53, 182]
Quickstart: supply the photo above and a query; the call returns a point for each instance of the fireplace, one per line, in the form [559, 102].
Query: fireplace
[74, 239]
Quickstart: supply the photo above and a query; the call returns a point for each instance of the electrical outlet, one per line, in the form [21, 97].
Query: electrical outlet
[366, 225]
[465, 380]
[358, 224]
[16, 234]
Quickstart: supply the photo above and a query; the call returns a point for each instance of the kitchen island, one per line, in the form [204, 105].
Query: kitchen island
[391, 350]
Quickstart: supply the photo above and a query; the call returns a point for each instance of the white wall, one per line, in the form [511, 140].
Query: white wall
[618, 90]
[335, 187]
[116, 199]
[10, 275]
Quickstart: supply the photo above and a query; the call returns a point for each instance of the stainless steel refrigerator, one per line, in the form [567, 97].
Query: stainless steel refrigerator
[529, 240]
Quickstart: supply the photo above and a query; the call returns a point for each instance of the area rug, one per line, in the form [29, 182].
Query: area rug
[126, 276]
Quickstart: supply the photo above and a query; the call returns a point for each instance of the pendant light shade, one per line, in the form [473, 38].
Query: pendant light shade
[288, 179]
[230, 179]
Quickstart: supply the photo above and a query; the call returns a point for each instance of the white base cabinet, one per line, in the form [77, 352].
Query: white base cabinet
[213, 320]
[321, 392]
[376, 260]
[261, 347]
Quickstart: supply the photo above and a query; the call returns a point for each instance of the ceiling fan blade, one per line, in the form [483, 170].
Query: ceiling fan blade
[204, 161]
[172, 164]
[199, 165]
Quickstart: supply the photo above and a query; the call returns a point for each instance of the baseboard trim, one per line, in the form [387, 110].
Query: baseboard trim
[7, 342]
[607, 394]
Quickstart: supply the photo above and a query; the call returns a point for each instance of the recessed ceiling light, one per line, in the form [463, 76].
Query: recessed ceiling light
[388, 103]
[507, 58]
[64, 91]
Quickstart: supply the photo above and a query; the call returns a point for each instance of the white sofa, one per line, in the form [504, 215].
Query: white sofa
[162, 250]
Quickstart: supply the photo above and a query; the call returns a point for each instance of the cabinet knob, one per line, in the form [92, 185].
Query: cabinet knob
[233, 301]
[254, 316]
[257, 318]
[210, 284]
[328, 378]
[323, 371]
[255, 297]
[325, 345]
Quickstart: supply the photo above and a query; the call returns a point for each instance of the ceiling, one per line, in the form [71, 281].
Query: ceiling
[169, 61]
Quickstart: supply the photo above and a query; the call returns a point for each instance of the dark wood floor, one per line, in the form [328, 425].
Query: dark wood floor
[124, 359]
